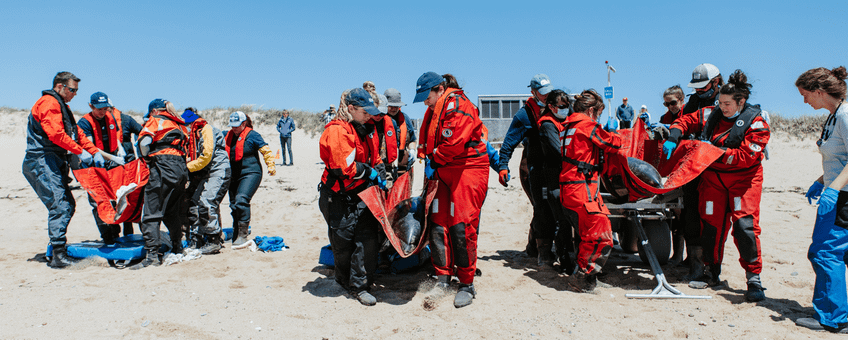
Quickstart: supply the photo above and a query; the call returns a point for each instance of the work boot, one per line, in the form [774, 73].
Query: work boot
[464, 295]
[755, 293]
[60, 258]
[240, 234]
[696, 265]
[531, 249]
[546, 255]
[439, 289]
[152, 259]
[196, 241]
[365, 298]
[581, 282]
[213, 244]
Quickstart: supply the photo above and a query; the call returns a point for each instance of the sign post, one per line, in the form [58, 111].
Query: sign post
[608, 89]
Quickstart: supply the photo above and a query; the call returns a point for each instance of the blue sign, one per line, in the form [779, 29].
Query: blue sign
[608, 92]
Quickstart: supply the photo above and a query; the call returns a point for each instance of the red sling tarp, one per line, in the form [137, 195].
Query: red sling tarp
[114, 204]
[688, 161]
[383, 206]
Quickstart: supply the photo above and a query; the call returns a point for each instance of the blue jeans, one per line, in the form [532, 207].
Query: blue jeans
[285, 142]
[827, 255]
[47, 173]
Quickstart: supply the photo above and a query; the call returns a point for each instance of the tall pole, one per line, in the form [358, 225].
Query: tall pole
[609, 101]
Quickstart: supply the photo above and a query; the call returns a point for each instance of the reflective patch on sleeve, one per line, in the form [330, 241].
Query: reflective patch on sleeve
[708, 210]
[571, 131]
[450, 106]
[737, 203]
[350, 157]
[729, 160]
[567, 141]
[757, 125]
[451, 211]
[435, 206]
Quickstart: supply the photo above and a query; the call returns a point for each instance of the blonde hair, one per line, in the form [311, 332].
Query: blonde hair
[369, 86]
[341, 113]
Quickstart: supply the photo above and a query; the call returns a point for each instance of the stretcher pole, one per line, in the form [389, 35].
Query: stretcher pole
[664, 290]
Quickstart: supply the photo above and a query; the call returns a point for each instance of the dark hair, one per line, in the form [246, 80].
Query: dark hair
[675, 91]
[249, 121]
[589, 98]
[554, 97]
[737, 85]
[450, 82]
[63, 77]
[831, 82]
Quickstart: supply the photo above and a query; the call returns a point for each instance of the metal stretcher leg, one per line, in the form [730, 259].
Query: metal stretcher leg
[664, 290]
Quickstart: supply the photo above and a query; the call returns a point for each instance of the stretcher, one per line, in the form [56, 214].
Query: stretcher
[646, 209]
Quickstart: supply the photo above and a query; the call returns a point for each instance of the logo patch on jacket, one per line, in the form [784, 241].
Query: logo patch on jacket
[111, 126]
[447, 133]
[756, 147]
[389, 133]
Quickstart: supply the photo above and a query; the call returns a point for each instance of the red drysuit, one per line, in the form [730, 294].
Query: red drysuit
[730, 189]
[451, 138]
[583, 143]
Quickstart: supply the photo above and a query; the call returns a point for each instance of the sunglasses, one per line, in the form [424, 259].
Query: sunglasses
[671, 103]
[73, 90]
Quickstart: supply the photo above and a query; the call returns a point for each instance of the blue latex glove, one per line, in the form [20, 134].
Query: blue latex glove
[814, 191]
[85, 158]
[668, 148]
[428, 171]
[827, 202]
[494, 156]
[98, 160]
[374, 176]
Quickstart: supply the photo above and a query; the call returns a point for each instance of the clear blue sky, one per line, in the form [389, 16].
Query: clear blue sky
[304, 54]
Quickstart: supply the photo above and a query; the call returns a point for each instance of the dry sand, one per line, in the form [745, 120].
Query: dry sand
[242, 294]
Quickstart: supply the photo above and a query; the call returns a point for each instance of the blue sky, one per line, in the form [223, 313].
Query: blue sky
[278, 54]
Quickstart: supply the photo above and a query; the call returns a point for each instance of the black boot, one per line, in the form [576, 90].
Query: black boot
[60, 258]
[240, 236]
[152, 259]
[546, 255]
[696, 265]
[213, 244]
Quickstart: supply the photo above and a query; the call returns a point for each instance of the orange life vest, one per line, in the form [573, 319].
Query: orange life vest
[168, 132]
[390, 138]
[239, 152]
[114, 130]
[194, 137]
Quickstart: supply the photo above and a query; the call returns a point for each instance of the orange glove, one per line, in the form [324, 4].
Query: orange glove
[503, 177]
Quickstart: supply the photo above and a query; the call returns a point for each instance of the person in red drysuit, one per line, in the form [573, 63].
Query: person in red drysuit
[583, 145]
[451, 141]
[730, 189]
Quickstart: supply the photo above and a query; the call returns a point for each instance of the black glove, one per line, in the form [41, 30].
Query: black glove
[660, 132]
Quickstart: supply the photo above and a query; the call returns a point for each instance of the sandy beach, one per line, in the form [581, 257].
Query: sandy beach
[287, 294]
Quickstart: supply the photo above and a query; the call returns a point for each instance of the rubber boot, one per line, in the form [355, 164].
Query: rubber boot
[531, 249]
[755, 288]
[464, 295]
[580, 282]
[696, 265]
[213, 244]
[152, 259]
[546, 255]
[60, 258]
[240, 236]
[677, 247]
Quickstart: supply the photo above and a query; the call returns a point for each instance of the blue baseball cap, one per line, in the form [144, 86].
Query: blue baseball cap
[100, 100]
[426, 82]
[156, 104]
[541, 83]
[236, 118]
[360, 97]
[190, 116]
